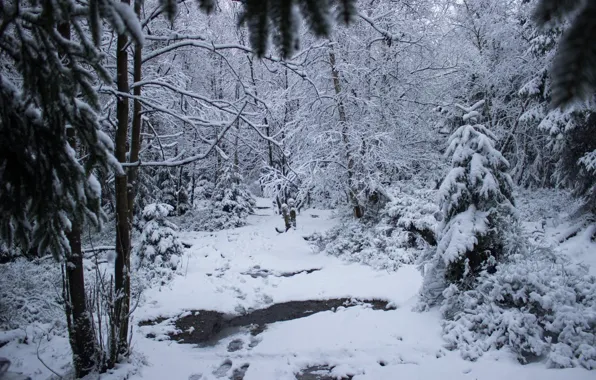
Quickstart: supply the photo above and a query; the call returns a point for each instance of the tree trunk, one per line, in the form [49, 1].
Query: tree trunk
[137, 124]
[119, 333]
[81, 332]
[83, 344]
[194, 174]
[345, 136]
[236, 159]
[179, 189]
[267, 127]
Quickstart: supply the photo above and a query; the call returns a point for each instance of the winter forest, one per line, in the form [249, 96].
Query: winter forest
[297, 189]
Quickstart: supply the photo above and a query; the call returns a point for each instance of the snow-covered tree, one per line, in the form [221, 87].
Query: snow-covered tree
[231, 202]
[564, 135]
[159, 245]
[477, 205]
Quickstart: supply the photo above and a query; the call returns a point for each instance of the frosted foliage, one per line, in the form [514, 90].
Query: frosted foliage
[30, 291]
[532, 87]
[555, 122]
[231, 203]
[157, 211]
[460, 234]
[536, 305]
[159, 249]
[589, 161]
[477, 182]
[399, 235]
[478, 214]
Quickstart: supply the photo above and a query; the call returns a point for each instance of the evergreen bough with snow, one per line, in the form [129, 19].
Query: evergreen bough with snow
[159, 248]
[397, 235]
[478, 213]
[538, 304]
[231, 201]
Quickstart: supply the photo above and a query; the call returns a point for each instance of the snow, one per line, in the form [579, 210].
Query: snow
[360, 341]
[460, 234]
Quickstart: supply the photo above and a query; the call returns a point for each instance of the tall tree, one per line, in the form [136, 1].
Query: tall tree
[80, 328]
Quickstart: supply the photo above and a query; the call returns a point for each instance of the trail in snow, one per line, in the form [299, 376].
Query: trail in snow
[254, 267]
[220, 275]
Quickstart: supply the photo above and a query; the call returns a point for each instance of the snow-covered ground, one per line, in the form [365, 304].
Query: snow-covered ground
[356, 341]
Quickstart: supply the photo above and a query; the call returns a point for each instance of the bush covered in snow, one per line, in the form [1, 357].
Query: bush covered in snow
[159, 247]
[232, 202]
[30, 291]
[396, 236]
[536, 304]
[225, 205]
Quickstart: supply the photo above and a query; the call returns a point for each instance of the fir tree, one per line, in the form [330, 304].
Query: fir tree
[47, 87]
[159, 245]
[569, 132]
[231, 200]
[477, 207]
[575, 147]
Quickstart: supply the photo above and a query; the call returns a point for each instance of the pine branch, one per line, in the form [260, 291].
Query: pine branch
[554, 11]
[317, 15]
[264, 17]
[346, 10]
[574, 67]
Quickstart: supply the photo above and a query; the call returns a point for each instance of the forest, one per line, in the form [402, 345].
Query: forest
[297, 189]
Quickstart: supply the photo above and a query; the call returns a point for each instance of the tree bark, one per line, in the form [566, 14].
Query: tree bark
[119, 333]
[82, 334]
[267, 127]
[345, 135]
[84, 347]
[137, 123]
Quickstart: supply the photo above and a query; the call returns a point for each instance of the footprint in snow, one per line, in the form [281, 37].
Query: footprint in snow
[223, 368]
[239, 372]
[235, 345]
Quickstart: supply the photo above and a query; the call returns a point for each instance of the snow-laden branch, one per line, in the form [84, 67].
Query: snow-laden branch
[157, 83]
[387, 36]
[196, 157]
[100, 248]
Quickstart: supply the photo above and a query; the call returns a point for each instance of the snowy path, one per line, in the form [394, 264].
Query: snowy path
[358, 341]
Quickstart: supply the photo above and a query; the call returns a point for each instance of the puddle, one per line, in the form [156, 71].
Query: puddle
[257, 271]
[208, 327]
[319, 372]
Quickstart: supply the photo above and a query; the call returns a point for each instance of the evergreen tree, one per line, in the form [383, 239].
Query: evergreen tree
[231, 200]
[166, 183]
[159, 247]
[46, 87]
[48, 105]
[477, 206]
[575, 147]
[569, 132]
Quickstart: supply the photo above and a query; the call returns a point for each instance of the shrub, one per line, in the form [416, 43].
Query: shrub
[397, 235]
[159, 247]
[536, 304]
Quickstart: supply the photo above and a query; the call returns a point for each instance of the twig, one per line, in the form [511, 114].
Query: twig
[44, 364]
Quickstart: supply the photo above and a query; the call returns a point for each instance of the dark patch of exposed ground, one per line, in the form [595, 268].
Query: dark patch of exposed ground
[206, 326]
[318, 372]
[257, 271]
